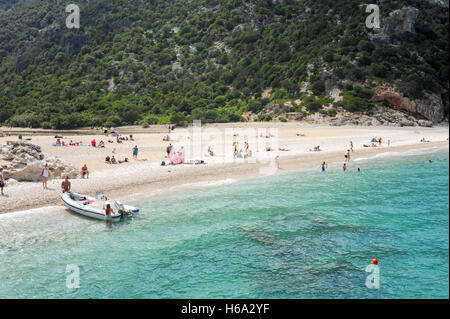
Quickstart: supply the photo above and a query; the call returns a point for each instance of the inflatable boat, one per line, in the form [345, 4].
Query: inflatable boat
[95, 207]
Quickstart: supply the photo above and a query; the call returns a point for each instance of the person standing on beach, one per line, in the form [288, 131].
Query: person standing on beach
[351, 146]
[169, 150]
[45, 176]
[2, 182]
[66, 185]
[347, 156]
[324, 166]
[135, 152]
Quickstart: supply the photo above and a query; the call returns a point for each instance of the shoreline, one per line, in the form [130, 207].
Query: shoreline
[172, 180]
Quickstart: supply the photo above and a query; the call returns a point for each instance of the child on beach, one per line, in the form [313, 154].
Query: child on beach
[135, 152]
[324, 166]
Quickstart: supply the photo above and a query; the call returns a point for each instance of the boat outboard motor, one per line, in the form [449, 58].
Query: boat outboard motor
[121, 209]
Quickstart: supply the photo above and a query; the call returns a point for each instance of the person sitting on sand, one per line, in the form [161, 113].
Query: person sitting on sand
[101, 144]
[210, 151]
[84, 172]
[66, 186]
[113, 160]
[94, 143]
[108, 160]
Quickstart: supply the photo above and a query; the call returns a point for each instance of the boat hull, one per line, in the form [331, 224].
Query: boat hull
[86, 210]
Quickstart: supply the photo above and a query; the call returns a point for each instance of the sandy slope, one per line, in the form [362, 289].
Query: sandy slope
[145, 177]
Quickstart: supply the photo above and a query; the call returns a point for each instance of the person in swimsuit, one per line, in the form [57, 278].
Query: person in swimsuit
[84, 172]
[44, 176]
[108, 212]
[66, 185]
[324, 166]
[344, 168]
[2, 181]
[135, 152]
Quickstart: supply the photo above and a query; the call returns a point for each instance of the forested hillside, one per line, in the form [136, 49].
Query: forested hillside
[168, 61]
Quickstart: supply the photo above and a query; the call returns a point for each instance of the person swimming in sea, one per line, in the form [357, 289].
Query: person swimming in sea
[344, 168]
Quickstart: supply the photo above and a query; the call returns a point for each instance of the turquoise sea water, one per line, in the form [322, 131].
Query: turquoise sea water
[296, 235]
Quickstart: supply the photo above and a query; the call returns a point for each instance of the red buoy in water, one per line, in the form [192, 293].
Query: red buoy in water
[375, 261]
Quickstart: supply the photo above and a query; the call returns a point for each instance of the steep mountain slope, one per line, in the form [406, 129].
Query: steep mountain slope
[162, 61]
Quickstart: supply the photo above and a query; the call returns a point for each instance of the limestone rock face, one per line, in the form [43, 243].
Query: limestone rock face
[401, 22]
[430, 107]
[380, 116]
[25, 162]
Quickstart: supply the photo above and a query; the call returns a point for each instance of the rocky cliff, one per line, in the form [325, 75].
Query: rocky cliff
[430, 107]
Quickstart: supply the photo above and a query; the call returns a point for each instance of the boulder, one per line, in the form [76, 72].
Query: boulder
[425, 123]
[25, 162]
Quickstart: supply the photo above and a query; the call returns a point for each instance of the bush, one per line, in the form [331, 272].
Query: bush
[25, 120]
[314, 107]
[332, 112]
